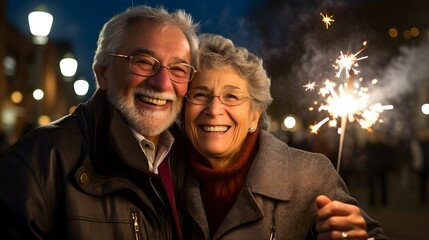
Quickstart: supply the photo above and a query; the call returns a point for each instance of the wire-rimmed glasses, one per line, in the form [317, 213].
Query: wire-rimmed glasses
[232, 97]
[147, 66]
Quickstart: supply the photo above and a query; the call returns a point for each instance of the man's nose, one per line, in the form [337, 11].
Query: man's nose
[162, 79]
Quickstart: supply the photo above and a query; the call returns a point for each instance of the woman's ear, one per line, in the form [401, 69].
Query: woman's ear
[101, 80]
[255, 115]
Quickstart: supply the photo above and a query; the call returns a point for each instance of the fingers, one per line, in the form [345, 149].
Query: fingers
[341, 223]
[334, 208]
[337, 218]
[321, 201]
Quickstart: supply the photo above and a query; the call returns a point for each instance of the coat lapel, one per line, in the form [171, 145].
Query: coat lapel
[244, 210]
[270, 172]
[194, 204]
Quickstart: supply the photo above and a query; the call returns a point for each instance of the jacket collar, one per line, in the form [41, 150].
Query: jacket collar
[270, 173]
[107, 123]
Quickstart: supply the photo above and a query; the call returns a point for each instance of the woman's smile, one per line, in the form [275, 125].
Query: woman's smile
[211, 128]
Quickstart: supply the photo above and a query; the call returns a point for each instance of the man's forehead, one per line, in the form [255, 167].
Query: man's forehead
[148, 38]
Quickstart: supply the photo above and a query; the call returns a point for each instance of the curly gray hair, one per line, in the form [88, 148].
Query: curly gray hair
[217, 52]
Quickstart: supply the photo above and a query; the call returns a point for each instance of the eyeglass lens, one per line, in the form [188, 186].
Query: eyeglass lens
[148, 66]
[230, 97]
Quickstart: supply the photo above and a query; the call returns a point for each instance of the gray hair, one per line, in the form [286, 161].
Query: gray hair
[116, 28]
[217, 52]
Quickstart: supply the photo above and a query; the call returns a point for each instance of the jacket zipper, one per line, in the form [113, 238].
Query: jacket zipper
[273, 225]
[273, 233]
[157, 193]
[134, 214]
[136, 225]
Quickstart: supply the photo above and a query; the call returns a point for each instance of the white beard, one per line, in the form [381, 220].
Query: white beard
[146, 122]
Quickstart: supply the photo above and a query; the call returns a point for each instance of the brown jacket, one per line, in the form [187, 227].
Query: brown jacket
[82, 177]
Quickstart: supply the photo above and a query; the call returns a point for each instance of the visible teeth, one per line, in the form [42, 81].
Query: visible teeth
[215, 128]
[154, 100]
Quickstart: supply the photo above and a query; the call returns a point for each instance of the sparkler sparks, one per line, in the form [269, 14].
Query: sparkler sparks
[310, 86]
[327, 20]
[348, 62]
[348, 101]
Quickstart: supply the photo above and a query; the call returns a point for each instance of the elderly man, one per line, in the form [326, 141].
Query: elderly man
[105, 171]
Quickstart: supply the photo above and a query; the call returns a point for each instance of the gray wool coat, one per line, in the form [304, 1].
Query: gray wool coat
[278, 197]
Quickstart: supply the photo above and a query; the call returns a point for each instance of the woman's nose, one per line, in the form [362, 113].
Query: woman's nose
[215, 106]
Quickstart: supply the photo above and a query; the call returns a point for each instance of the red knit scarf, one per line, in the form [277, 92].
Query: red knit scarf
[220, 187]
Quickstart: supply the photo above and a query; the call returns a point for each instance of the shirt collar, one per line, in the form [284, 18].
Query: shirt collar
[155, 157]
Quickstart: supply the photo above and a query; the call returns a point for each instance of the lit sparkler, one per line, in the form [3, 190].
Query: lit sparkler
[348, 63]
[348, 101]
[310, 86]
[327, 20]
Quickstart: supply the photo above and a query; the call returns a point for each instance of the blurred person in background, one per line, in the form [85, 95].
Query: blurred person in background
[420, 147]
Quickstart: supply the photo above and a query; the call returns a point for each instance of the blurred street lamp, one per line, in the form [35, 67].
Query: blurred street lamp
[68, 66]
[289, 124]
[425, 109]
[40, 22]
[81, 87]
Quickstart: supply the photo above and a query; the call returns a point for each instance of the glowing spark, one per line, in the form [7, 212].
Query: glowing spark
[315, 128]
[327, 20]
[310, 86]
[348, 62]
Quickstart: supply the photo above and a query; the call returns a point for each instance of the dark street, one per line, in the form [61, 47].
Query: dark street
[404, 217]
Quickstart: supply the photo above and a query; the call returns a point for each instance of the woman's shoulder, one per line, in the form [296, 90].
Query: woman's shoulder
[269, 142]
[277, 154]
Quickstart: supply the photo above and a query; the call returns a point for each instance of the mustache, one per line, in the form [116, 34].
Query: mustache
[152, 93]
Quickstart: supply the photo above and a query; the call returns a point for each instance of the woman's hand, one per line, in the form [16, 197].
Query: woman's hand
[338, 220]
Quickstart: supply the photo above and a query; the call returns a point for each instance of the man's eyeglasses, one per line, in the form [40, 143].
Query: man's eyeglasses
[147, 66]
[228, 97]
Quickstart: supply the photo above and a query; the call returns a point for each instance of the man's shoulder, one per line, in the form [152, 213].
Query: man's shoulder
[65, 127]
[40, 144]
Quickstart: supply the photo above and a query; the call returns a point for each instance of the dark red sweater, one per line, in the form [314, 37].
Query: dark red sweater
[220, 187]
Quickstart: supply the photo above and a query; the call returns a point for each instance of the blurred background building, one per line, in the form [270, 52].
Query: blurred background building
[34, 90]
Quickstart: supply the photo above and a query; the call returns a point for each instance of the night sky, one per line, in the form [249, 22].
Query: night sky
[80, 21]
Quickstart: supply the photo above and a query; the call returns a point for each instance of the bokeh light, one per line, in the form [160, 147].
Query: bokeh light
[16, 97]
[425, 109]
[414, 32]
[393, 32]
[43, 120]
[38, 94]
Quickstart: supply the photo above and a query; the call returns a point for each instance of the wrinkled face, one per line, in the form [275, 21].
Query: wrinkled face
[150, 104]
[218, 131]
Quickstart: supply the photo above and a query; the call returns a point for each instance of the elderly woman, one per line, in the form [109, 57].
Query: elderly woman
[245, 183]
